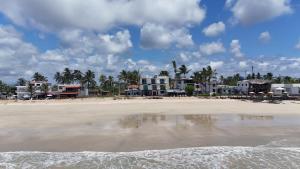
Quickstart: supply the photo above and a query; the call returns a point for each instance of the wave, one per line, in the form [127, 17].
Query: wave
[184, 158]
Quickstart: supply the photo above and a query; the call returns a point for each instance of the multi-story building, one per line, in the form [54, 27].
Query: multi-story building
[254, 86]
[156, 86]
[290, 89]
[24, 93]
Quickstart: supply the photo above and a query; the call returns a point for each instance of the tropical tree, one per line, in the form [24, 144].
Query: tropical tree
[268, 76]
[45, 88]
[31, 89]
[39, 77]
[77, 76]
[21, 82]
[89, 79]
[164, 73]
[67, 76]
[58, 77]
[184, 70]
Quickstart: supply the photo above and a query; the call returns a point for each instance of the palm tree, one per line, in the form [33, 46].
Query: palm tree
[39, 77]
[77, 76]
[45, 88]
[176, 73]
[58, 78]
[21, 82]
[184, 70]
[67, 77]
[89, 79]
[164, 73]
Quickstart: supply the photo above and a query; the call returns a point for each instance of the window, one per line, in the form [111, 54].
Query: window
[152, 81]
[162, 87]
[162, 81]
[154, 87]
[144, 81]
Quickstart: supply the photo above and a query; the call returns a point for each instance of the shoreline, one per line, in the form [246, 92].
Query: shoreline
[190, 105]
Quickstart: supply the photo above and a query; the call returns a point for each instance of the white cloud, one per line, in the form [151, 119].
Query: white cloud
[265, 37]
[101, 15]
[235, 49]
[212, 48]
[214, 29]
[254, 11]
[161, 37]
[243, 64]
[79, 50]
[297, 46]
[216, 64]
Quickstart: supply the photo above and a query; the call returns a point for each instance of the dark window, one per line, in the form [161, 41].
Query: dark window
[152, 81]
[162, 81]
[144, 81]
[162, 87]
[145, 87]
[154, 87]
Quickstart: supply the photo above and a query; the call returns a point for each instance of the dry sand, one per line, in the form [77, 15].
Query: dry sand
[140, 124]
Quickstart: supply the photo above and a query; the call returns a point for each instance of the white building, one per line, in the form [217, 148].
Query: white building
[24, 93]
[243, 86]
[206, 88]
[290, 89]
[156, 86]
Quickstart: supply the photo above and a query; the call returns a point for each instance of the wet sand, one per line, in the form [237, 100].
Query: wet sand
[134, 125]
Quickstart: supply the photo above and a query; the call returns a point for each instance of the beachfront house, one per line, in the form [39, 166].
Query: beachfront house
[155, 86]
[70, 90]
[281, 89]
[36, 91]
[253, 86]
[226, 90]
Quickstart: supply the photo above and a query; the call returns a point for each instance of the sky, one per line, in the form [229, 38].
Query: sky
[107, 36]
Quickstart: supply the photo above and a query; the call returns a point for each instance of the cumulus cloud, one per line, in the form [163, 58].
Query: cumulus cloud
[101, 15]
[216, 64]
[161, 37]
[297, 46]
[235, 49]
[15, 54]
[79, 50]
[214, 29]
[212, 48]
[254, 11]
[264, 37]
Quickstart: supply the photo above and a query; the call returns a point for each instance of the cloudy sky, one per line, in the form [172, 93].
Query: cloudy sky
[109, 35]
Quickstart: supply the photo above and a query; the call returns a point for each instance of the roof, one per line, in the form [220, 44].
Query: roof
[259, 81]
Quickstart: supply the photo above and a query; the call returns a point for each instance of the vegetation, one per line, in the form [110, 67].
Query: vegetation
[38, 77]
[189, 90]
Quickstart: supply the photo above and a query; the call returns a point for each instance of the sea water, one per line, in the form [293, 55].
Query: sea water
[186, 158]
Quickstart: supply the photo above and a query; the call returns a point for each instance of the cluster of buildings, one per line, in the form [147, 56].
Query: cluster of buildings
[163, 86]
[59, 91]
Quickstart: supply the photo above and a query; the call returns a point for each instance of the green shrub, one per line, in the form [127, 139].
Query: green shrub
[189, 90]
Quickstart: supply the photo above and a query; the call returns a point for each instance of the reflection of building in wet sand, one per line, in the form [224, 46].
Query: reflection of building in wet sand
[137, 121]
[256, 117]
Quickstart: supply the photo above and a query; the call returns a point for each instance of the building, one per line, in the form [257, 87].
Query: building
[156, 86]
[37, 92]
[290, 89]
[69, 90]
[206, 88]
[254, 85]
[226, 90]
[132, 90]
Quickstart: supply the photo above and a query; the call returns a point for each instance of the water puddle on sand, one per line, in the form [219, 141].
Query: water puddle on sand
[156, 141]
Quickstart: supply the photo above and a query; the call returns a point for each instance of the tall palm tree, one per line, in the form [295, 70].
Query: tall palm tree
[89, 79]
[164, 73]
[39, 77]
[45, 88]
[176, 73]
[21, 82]
[184, 70]
[58, 77]
[77, 76]
[67, 76]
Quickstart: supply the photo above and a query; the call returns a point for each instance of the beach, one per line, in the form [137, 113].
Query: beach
[149, 133]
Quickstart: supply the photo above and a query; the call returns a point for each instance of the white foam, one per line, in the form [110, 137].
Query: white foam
[204, 157]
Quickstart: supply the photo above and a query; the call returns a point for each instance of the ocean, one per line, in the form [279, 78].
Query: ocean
[184, 158]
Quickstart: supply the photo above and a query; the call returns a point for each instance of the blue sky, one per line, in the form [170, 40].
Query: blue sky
[107, 36]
